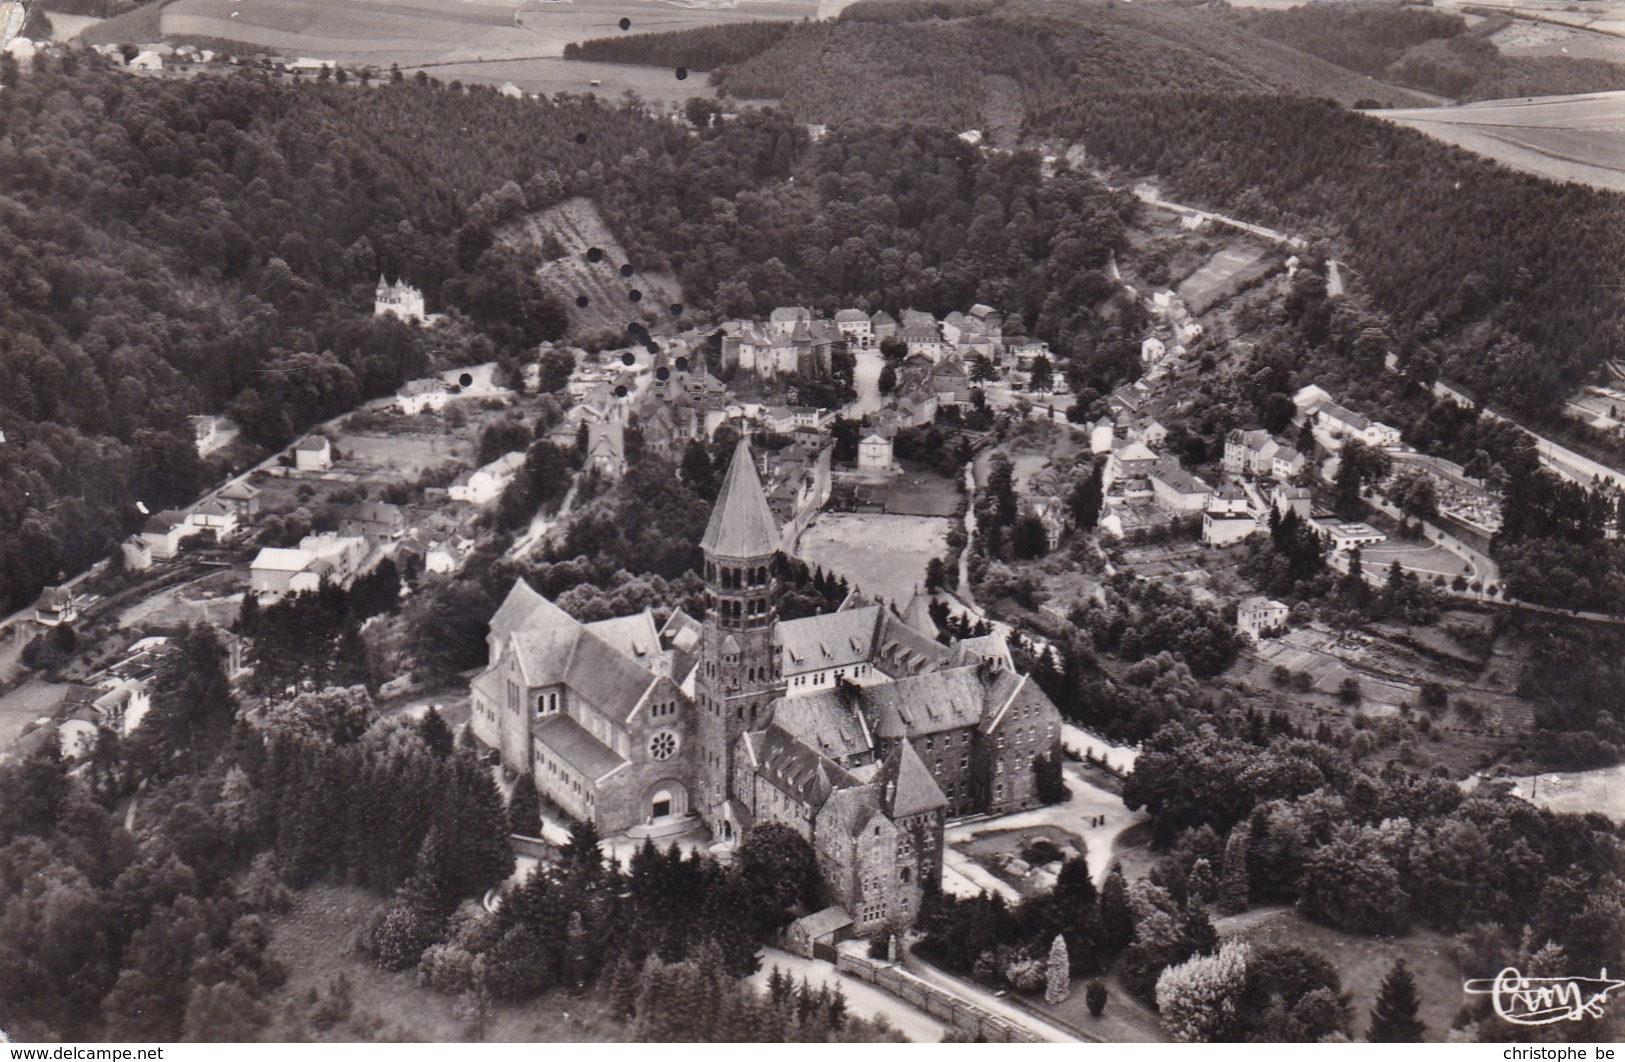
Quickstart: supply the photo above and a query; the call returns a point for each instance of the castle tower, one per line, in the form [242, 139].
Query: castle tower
[739, 660]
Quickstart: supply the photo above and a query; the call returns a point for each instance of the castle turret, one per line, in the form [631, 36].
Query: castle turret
[739, 669]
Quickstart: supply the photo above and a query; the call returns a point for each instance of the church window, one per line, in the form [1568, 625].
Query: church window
[663, 745]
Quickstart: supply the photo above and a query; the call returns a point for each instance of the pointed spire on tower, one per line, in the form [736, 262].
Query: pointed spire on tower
[741, 524]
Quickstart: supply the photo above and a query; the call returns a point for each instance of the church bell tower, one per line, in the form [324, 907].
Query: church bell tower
[739, 661]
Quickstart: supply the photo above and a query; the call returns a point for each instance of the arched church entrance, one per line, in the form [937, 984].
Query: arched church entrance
[668, 797]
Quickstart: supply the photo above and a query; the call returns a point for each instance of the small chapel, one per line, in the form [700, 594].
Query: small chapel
[856, 729]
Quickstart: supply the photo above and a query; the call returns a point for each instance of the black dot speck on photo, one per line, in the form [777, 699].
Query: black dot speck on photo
[582, 301]
[629, 358]
[581, 138]
[620, 391]
[595, 254]
[466, 380]
[682, 364]
[627, 270]
[635, 295]
[682, 73]
[662, 373]
[676, 309]
[626, 23]
[637, 329]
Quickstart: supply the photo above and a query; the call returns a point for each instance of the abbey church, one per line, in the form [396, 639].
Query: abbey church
[855, 729]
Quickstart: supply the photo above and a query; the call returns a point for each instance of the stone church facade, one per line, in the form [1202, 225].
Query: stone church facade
[858, 731]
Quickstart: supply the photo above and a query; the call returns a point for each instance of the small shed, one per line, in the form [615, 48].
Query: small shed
[824, 929]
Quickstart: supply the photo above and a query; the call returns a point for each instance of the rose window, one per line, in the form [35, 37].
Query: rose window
[663, 746]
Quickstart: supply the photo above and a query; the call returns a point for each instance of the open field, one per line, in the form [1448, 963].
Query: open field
[881, 554]
[1541, 38]
[578, 228]
[417, 32]
[1564, 138]
[1363, 962]
[139, 25]
[1425, 559]
[67, 27]
[1601, 790]
[549, 76]
[23, 706]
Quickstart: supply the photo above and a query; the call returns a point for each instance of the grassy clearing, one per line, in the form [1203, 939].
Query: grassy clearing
[1362, 962]
[316, 942]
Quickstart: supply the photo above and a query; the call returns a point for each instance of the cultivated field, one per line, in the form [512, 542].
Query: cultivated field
[881, 554]
[417, 32]
[1223, 275]
[578, 228]
[547, 77]
[1565, 138]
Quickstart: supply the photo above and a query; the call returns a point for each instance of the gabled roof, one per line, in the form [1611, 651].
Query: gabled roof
[162, 523]
[635, 636]
[850, 316]
[850, 811]
[524, 607]
[584, 663]
[570, 742]
[1136, 451]
[313, 444]
[741, 523]
[283, 560]
[908, 787]
[823, 923]
[834, 639]
[240, 491]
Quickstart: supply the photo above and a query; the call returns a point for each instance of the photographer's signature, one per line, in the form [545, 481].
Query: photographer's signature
[1544, 1000]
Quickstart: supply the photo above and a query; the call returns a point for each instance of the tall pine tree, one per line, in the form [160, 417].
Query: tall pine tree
[1393, 1019]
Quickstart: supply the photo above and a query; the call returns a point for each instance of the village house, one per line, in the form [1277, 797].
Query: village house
[314, 453]
[484, 485]
[164, 532]
[1176, 490]
[56, 605]
[1288, 499]
[1131, 461]
[121, 704]
[857, 327]
[882, 326]
[1287, 463]
[1054, 514]
[1228, 518]
[206, 433]
[951, 382]
[875, 455]
[923, 340]
[398, 299]
[241, 496]
[1333, 422]
[606, 449]
[214, 517]
[374, 521]
[782, 321]
[135, 554]
[1259, 616]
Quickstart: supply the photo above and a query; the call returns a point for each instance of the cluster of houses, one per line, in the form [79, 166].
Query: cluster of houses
[222, 516]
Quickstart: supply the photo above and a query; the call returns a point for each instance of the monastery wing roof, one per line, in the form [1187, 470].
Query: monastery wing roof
[741, 523]
[567, 739]
[635, 636]
[926, 704]
[834, 639]
[901, 650]
[1012, 692]
[797, 769]
[825, 722]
